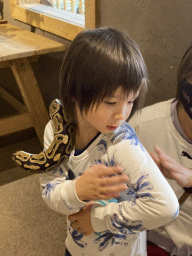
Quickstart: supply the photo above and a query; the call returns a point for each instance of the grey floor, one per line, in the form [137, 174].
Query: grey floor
[27, 226]
[26, 141]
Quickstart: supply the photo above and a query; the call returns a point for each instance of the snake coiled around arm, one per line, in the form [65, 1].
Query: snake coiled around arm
[60, 148]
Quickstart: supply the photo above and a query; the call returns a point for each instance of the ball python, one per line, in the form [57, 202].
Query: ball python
[60, 148]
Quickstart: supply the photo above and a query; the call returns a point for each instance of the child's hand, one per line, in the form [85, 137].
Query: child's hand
[171, 169]
[101, 182]
[81, 221]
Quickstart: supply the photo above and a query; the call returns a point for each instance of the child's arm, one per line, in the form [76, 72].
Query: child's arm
[81, 220]
[69, 196]
[153, 201]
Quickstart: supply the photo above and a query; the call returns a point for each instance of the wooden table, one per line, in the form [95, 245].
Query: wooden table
[17, 48]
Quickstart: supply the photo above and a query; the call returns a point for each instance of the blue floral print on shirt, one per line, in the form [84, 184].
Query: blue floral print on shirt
[128, 134]
[47, 188]
[125, 228]
[106, 237]
[102, 145]
[142, 184]
[77, 237]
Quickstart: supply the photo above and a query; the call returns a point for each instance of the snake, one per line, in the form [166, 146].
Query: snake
[60, 148]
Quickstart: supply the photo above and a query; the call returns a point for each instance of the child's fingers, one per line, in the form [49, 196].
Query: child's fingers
[156, 159]
[158, 162]
[162, 155]
[159, 151]
[75, 225]
[168, 165]
[97, 179]
[108, 170]
[89, 203]
[171, 169]
[73, 217]
[112, 191]
[167, 161]
[111, 195]
[114, 180]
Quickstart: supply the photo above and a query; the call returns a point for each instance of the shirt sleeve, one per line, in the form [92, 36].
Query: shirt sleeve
[153, 202]
[58, 191]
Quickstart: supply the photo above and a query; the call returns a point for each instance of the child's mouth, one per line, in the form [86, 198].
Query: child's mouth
[112, 128]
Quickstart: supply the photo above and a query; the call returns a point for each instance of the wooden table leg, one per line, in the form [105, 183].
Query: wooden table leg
[31, 94]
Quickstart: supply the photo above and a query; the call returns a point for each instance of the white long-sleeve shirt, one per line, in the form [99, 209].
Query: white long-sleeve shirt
[120, 224]
[154, 126]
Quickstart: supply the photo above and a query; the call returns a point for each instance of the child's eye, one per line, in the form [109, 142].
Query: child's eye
[110, 103]
[130, 102]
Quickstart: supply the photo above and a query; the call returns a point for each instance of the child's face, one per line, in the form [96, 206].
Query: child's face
[109, 114]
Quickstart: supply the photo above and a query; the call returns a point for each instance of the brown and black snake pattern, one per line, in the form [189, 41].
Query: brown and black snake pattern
[60, 148]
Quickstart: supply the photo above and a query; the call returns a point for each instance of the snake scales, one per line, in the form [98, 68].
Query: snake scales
[60, 148]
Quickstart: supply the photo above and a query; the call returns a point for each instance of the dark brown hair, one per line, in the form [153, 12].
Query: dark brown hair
[185, 69]
[97, 62]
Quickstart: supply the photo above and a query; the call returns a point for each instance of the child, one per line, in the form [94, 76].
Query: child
[168, 125]
[103, 82]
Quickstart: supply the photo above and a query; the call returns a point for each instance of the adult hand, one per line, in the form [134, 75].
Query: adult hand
[171, 169]
[81, 221]
[101, 182]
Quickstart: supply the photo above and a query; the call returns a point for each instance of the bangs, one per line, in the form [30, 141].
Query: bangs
[97, 63]
[106, 70]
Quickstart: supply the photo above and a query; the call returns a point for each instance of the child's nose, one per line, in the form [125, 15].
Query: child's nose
[120, 115]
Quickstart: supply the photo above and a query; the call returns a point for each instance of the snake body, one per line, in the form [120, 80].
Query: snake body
[60, 148]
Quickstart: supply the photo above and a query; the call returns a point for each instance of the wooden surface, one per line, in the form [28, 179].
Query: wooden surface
[17, 47]
[60, 27]
[17, 43]
[3, 21]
